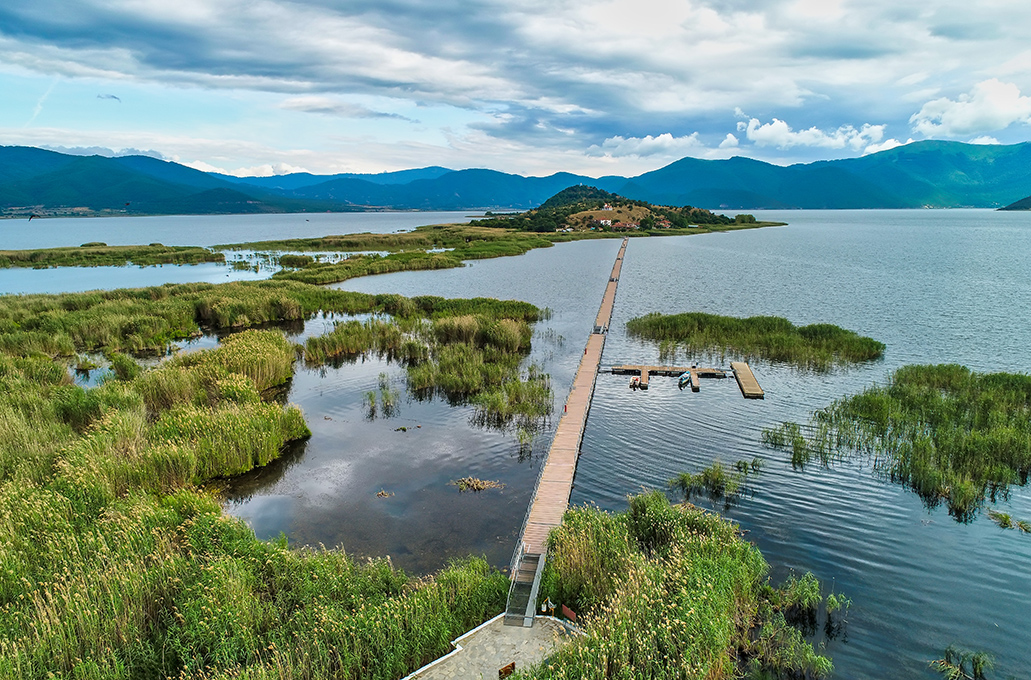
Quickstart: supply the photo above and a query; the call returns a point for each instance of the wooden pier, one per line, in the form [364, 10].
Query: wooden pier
[746, 381]
[645, 372]
[551, 496]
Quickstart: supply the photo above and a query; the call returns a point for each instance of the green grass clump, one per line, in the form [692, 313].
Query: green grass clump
[103, 255]
[717, 481]
[151, 318]
[818, 346]
[459, 356]
[665, 592]
[947, 433]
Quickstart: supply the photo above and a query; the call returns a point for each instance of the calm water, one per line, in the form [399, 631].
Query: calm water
[179, 230]
[935, 286]
[207, 230]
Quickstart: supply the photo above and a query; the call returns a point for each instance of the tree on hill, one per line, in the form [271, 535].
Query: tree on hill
[574, 195]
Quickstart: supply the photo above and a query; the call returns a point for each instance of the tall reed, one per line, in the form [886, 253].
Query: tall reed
[664, 592]
[947, 433]
[817, 346]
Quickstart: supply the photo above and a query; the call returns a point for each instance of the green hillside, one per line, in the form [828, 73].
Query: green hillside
[924, 174]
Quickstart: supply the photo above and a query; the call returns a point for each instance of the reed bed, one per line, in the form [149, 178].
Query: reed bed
[144, 319]
[101, 255]
[113, 564]
[817, 346]
[948, 433]
[666, 592]
[459, 356]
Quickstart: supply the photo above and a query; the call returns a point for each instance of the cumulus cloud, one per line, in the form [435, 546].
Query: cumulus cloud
[661, 145]
[885, 145]
[263, 170]
[103, 151]
[780, 135]
[984, 139]
[546, 77]
[991, 105]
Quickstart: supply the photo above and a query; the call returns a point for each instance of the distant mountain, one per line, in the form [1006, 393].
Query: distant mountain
[298, 180]
[922, 174]
[1022, 204]
[49, 183]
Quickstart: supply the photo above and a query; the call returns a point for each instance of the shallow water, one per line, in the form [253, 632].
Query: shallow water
[208, 230]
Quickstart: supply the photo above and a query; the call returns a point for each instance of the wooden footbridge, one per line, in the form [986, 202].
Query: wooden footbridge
[550, 496]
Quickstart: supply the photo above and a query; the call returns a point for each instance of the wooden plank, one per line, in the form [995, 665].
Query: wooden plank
[746, 381]
[552, 498]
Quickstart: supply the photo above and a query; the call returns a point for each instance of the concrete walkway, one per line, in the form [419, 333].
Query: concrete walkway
[483, 651]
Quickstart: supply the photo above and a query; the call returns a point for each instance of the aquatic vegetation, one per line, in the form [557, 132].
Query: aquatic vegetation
[476, 484]
[947, 433]
[837, 601]
[666, 591]
[295, 261]
[113, 564]
[102, 255]
[959, 664]
[817, 347]
[717, 481]
[1005, 521]
[140, 319]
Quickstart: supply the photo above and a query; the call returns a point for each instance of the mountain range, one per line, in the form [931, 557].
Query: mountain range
[928, 174]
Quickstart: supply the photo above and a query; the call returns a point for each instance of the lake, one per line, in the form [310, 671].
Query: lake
[935, 286]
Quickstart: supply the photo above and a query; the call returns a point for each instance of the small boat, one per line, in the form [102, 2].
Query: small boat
[684, 380]
[635, 383]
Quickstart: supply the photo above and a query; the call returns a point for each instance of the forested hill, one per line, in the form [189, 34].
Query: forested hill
[585, 208]
[929, 174]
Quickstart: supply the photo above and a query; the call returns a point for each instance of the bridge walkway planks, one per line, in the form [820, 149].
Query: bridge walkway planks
[551, 497]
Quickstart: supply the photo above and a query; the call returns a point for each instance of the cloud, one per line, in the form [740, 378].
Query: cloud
[729, 142]
[662, 145]
[780, 135]
[885, 145]
[110, 96]
[989, 106]
[103, 151]
[984, 139]
[552, 79]
[332, 107]
[39, 104]
[263, 170]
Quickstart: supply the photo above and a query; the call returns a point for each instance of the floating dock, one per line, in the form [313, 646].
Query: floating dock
[645, 372]
[746, 381]
[550, 497]
[745, 378]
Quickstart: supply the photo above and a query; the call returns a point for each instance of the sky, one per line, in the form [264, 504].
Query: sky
[262, 87]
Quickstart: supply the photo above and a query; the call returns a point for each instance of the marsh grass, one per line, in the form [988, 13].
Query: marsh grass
[947, 433]
[961, 664]
[114, 565]
[816, 347]
[465, 351]
[718, 482]
[103, 255]
[665, 592]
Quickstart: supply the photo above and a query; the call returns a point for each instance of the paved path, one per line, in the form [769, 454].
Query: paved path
[487, 649]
